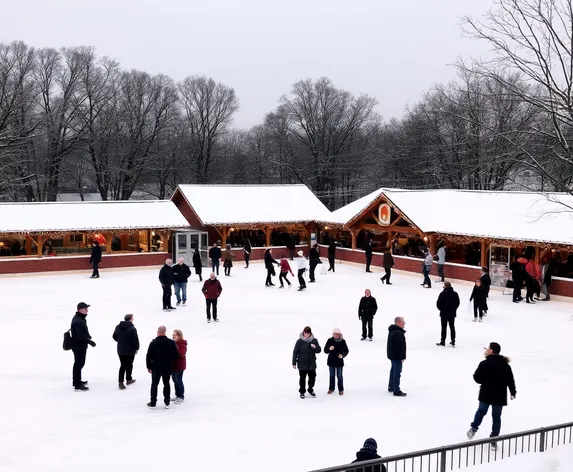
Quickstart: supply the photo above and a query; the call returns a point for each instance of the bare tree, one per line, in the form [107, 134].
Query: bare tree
[208, 108]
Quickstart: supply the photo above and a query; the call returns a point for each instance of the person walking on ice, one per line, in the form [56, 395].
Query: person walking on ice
[80, 340]
[181, 274]
[495, 376]
[387, 263]
[396, 351]
[161, 356]
[212, 290]
[304, 357]
[366, 311]
[285, 269]
[179, 366]
[301, 264]
[479, 298]
[127, 340]
[198, 264]
[166, 280]
[448, 303]
[337, 350]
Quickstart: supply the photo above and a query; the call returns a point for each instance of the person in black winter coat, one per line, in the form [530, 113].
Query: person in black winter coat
[215, 257]
[247, 249]
[396, 352]
[369, 452]
[95, 259]
[270, 262]
[313, 261]
[127, 340]
[80, 340]
[448, 303]
[161, 356]
[304, 357]
[517, 278]
[331, 255]
[291, 246]
[366, 311]
[181, 274]
[495, 377]
[479, 298]
[486, 283]
[368, 254]
[337, 350]
[166, 279]
[387, 263]
[198, 264]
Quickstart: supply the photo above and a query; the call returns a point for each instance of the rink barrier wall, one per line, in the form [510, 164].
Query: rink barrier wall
[66, 263]
[471, 453]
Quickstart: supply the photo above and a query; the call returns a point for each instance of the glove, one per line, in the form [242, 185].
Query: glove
[513, 397]
[92, 344]
[359, 317]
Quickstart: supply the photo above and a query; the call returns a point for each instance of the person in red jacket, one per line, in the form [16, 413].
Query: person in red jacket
[212, 289]
[285, 269]
[179, 366]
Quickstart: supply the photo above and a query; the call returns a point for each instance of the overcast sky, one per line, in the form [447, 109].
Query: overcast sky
[391, 50]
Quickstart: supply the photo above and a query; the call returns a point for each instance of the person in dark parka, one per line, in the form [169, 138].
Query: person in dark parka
[396, 352]
[368, 255]
[448, 303]
[166, 279]
[313, 261]
[366, 311]
[479, 298]
[517, 277]
[495, 377]
[331, 255]
[486, 283]
[162, 355]
[247, 249]
[336, 349]
[80, 340]
[270, 261]
[291, 246]
[127, 340]
[387, 263]
[215, 257]
[95, 259]
[369, 452]
[198, 264]
[304, 357]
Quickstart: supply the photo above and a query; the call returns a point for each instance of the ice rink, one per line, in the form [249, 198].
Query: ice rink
[242, 407]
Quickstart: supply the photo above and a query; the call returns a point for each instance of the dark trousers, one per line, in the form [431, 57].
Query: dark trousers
[211, 302]
[79, 362]
[387, 275]
[283, 276]
[215, 266]
[312, 265]
[269, 280]
[227, 270]
[445, 322]
[291, 253]
[338, 372]
[367, 323]
[95, 266]
[166, 296]
[331, 263]
[368, 262]
[426, 272]
[302, 380]
[301, 281]
[156, 376]
[495, 414]
[178, 384]
[395, 373]
[441, 272]
[247, 259]
[478, 308]
[517, 291]
[125, 368]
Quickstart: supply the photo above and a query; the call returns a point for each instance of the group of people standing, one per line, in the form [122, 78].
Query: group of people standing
[537, 278]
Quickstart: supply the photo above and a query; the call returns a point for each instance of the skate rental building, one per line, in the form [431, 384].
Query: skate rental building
[478, 228]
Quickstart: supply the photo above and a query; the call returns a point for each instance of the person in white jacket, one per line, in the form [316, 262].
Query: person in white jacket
[301, 264]
[428, 260]
[441, 263]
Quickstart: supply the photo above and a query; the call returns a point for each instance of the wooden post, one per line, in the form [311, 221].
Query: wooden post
[108, 238]
[308, 231]
[390, 238]
[268, 232]
[537, 254]
[39, 243]
[224, 233]
[353, 233]
[483, 259]
[433, 244]
[28, 244]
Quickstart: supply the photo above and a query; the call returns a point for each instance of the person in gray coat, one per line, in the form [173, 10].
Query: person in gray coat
[304, 357]
[441, 255]
[426, 268]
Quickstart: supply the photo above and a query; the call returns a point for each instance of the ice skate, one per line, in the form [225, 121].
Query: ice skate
[121, 386]
[471, 433]
[130, 382]
[311, 393]
[151, 405]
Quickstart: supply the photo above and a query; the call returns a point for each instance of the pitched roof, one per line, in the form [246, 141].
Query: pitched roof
[85, 216]
[247, 204]
[521, 216]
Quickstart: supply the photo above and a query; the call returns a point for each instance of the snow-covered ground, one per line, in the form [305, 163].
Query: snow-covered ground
[242, 410]
[559, 459]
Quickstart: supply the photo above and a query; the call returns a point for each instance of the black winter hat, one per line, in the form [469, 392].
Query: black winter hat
[371, 446]
[82, 305]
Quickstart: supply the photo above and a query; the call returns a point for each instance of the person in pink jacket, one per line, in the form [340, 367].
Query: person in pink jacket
[285, 269]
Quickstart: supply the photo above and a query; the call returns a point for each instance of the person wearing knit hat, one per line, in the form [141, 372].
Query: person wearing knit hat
[301, 264]
[369, 452]
[304, 357]
[336, 349]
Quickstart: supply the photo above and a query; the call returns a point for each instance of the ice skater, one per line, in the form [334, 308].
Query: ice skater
[247, 249]
[181, 274]
[387, 263]
[125, 334]
[166, 281]
[396, 351]
[367, 308]
[441, 255]
[313, 261]
[161, 355]
[212, 290]
[179, 366]
[95, 259]
[486, 283]
[304, 357]
[228, 262]
[448, 303]
[495, 376]
[80, 340]
[301, 264]
[337, 350]
[215, 257]
[331, 255]
[368, 255]
[270, 262]
[198, 264]
[285, 269]
[479, 298]
[426, 268]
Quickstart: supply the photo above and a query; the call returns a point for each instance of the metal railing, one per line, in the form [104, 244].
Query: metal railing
[468, 454]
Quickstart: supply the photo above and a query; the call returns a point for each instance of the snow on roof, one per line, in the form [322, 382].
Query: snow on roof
[344, 214]
[245, 204]
[83, 216]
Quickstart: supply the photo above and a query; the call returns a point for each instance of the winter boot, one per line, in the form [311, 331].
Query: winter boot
[440, 344]
[330, 391]
[311, 393]
[121, 386]
[302, 395]
[471, 433]
[151, 405]
[81, 388]
[129, 382]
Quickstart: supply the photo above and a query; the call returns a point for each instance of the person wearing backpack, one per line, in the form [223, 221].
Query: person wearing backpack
[80, 336]
[127, 340]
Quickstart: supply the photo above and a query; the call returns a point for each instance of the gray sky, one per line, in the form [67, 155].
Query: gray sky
[391, 50]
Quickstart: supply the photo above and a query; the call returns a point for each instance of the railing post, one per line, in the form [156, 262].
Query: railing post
[443, 459]
[542, 440]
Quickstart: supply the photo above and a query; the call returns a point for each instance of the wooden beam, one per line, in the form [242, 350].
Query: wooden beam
[483, 259]
[108, 239]
[397, 229]
[268, 232]
[224, 234]
[390, 238]
[28, 244]
[433, 244]
[537, 254]
[375, 216]
[39, 243]
[354, 233]
[397, 220]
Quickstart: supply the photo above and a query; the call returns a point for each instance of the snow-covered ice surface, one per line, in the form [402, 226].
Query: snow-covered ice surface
[559, 459]
[242, 407]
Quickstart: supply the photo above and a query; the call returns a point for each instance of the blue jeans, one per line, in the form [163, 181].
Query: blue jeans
[180, 287]
[426, 272]
[395, 373]
[338, 372]
[178, 383]
[215, 266]
[495, 414]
